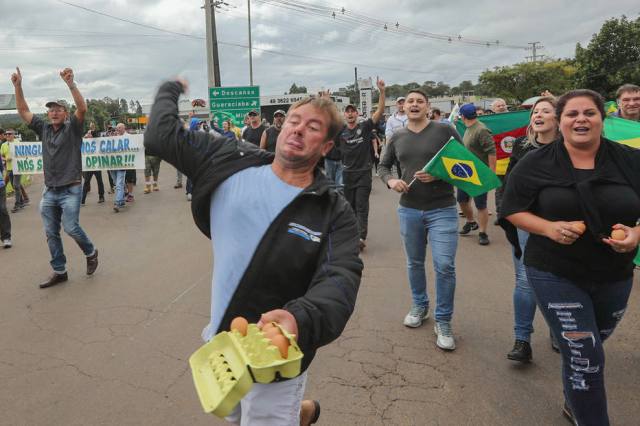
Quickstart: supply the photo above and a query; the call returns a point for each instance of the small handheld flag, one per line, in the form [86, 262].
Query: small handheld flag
[457, 165]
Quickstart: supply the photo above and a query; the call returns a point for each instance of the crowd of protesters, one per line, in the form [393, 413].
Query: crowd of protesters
[565, 190]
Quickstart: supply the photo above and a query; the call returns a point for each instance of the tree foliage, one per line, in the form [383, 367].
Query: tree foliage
[297, 89]
[521, 81]
[611, 59]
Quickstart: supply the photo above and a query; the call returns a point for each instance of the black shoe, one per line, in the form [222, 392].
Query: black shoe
[554, 342]
[54, 279]
[483, 239]
[566, 410]
[17, 208]
[100, 200]
[521, 352]
[468, 227]
[177, 185]
[92, 263]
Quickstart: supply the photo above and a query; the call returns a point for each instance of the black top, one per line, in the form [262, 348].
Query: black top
[272, 137]
[61, 154]
[546, 184]
[252, 135]
[355, 145]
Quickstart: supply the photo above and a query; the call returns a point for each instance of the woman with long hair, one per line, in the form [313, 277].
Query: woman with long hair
[542, 130]
[581, 275]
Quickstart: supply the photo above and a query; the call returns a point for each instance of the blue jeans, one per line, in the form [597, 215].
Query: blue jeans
[439, 227]
[581, 318]
[118, 177]
[333, 169]
[63, 206]
[524, 301]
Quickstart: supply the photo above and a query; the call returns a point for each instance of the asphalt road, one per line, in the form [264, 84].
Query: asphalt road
[112, 349]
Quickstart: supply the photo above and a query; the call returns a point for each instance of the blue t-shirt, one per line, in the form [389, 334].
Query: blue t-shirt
[242, 209]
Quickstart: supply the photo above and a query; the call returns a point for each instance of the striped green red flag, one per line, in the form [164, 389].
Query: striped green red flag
[505, 129]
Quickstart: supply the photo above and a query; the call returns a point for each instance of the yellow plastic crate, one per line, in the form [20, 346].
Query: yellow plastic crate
[225, 368]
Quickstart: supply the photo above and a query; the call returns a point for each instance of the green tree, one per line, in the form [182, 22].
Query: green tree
[521, 81]
[612, 57]
[297, 89]
[124, 106]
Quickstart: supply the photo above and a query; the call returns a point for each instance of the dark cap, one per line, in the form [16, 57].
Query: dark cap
[55, 103]
[468, 111]
[352, 106]
[253, 113]
[279, 112]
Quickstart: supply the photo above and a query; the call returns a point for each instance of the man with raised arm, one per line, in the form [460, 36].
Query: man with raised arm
[62, 163]
[285, 242]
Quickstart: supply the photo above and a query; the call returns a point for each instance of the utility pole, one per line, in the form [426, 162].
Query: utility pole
[535, 46]
[250, 51]
[213, 63]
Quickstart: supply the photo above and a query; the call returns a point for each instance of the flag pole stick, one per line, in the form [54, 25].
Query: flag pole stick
[410, 183]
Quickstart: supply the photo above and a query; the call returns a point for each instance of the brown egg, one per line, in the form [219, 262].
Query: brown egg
[618, 234]
[240, 325]
[282, 343]
[580, 226]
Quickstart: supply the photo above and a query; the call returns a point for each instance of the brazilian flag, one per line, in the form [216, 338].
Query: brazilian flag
[457, 165]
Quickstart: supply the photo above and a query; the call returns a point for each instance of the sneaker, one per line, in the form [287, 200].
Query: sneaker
[26, 201]
[155, 187]
[17, 208]
[177, 185]
[483, 239]
[116, 208]
[416, 315]
[362, 244]
[147, 189]
[100, 200]
[188, 197]
[130, 198]
[566, 410]
[521, 352]
[445, 338]
[468, 227]
[6, 243]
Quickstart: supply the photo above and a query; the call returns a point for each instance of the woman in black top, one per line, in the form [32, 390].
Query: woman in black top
[542, 130]
[581, 278]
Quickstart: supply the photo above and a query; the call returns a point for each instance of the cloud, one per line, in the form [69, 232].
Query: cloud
[119, 59]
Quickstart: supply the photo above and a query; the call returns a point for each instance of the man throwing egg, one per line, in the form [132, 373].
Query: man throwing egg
[285, 243]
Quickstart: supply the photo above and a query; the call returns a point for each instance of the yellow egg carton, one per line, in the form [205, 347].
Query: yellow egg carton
[225, 368]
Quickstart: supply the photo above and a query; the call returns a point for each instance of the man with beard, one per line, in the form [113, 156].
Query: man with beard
[358, 146]
[270, 136]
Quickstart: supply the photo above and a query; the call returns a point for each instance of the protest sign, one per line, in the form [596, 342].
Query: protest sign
[106, 153]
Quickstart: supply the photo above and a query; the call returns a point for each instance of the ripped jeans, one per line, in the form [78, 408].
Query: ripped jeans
[581, 318]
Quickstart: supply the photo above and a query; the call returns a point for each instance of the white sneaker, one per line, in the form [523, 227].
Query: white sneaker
[188, 197]
[6, 243]
[445, 338]
[415, 316]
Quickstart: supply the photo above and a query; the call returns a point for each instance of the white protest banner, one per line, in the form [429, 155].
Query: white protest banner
[106, 153]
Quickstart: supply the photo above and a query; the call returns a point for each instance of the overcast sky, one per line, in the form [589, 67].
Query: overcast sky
[120, 59]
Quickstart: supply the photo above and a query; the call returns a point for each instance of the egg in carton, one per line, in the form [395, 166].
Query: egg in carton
[225, 368]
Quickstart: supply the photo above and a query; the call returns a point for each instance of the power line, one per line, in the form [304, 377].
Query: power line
[244, 46]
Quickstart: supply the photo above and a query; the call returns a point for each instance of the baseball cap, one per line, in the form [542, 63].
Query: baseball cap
[55, 103]
[351, 106]
[252, 113]
[399, 98]
[468, 111]
[281, 112]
